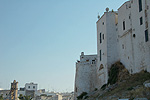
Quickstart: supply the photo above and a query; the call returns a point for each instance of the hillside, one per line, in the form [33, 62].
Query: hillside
[121, 84]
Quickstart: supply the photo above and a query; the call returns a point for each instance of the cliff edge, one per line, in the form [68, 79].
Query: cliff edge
[121, 85]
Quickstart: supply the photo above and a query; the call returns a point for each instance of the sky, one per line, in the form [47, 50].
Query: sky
[40, 40]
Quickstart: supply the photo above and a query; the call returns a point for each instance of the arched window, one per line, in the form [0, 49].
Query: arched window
[101, 67]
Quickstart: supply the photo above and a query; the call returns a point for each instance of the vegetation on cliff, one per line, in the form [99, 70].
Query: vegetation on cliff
[121, 84]
[80, 97]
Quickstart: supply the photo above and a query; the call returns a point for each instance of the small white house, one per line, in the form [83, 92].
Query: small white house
[31, 86]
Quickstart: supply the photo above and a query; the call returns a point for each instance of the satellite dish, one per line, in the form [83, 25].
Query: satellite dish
[107, 9]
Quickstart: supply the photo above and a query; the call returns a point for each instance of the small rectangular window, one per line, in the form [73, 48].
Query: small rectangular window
[33, 87]
[122, 46]
[140, 5]
[103, 36]
[100, 55]
[29, 87]
[123, 25]
[93, 61]
[126, 6]
[141, 20]
[129, 16]
[76, 89]
[146, 35]
[100, 37]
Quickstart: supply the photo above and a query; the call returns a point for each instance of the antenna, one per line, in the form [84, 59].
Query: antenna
[98, 16]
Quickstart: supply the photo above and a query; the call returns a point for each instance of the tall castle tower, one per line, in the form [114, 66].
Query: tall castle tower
[107, 44]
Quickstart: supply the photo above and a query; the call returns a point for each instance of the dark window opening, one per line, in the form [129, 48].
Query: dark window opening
[147, 7]
[129, 5]
[100, 55]
[129, 17]
[145, 13]
[126, 6]
[123, 25]
[101, 67]
[28, 86]
[146, 24]
[103, 23]
[131, 71]
[76, 89]
[134, 35]
[103, 36]
[122, 46]
[93, 61]
[146, 35]
[141, 20]
[100, 37]
[140, 5]
[33, 87]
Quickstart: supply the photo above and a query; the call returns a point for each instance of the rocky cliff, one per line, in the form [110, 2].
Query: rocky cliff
[121, 84]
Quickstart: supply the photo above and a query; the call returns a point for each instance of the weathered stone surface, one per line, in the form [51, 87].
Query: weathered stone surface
[147, 83]
[140, 99]
[85, 79]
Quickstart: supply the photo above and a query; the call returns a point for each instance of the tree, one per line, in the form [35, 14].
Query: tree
[27, 98]
[1, 97]
[21, 97]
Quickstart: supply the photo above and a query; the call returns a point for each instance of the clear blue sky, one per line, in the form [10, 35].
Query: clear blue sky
[40, 40]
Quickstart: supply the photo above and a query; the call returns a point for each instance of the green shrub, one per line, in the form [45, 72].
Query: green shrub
[21, 97]
[95, 89]
[131, 98]
[113, 74]
[86, 97]
[130, 88]
[82, 95]
[104, 87]
[1, 97]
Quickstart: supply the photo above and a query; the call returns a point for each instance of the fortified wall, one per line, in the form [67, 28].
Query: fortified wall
[85, 74]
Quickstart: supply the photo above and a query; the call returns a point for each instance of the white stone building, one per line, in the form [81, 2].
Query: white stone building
[85, 78]
[67, 96]
[31, 86]
[48, 96]
[133, 29]
[4, 93]
[30, 89]
[107, 44]
[123, 36]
